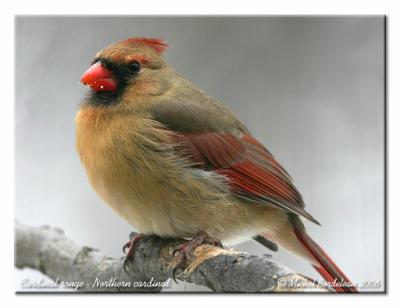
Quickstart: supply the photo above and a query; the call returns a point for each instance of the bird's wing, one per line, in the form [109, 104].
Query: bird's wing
[211, 137]
[251, 170]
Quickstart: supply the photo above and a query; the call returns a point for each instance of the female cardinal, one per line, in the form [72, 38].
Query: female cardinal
[175, 162]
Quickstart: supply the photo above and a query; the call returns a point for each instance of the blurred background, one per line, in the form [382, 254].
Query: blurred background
[310, 88]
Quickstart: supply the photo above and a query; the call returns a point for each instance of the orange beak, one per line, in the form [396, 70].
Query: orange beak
[99, 78]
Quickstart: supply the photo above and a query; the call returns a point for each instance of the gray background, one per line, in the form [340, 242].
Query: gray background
[311, 89]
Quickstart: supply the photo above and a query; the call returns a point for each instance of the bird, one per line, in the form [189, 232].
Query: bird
[173, 161]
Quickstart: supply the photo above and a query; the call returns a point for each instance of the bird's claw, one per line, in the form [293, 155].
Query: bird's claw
[131, 246]
[126, 246]
[183, 251]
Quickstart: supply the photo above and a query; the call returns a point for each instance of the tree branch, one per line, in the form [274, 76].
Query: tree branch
[49, 251]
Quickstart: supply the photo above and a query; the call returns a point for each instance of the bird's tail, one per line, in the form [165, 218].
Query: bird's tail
[326, 267]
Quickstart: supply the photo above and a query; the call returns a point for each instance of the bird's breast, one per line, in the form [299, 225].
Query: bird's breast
[114, 161]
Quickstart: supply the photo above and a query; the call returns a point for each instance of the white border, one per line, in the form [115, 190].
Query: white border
[174, 7]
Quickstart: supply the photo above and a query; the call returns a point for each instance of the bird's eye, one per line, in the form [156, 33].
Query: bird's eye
[134, 67]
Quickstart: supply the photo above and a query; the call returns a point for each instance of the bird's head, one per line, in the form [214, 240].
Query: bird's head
[128, 69]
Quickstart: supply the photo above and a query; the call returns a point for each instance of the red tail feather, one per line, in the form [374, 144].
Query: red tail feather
[328, 269]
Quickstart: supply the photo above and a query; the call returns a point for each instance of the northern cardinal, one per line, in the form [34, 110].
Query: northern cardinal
[175, 162]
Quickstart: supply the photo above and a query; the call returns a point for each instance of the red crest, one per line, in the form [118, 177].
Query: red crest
[159, 45]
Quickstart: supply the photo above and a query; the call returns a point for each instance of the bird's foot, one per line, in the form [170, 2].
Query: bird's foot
[131, 246]
[182, 253]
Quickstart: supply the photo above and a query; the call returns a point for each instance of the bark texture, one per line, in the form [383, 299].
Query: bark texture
[48, 250]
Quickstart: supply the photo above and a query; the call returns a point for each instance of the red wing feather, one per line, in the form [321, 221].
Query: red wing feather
[251, 170]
